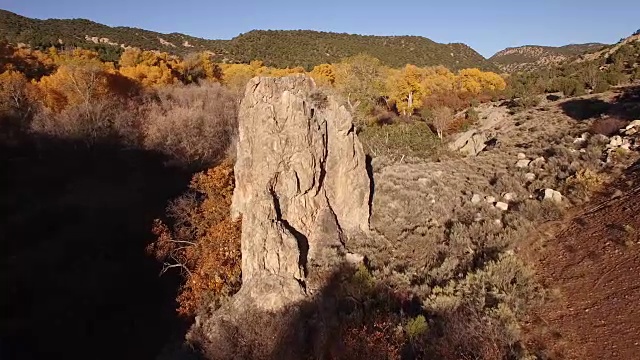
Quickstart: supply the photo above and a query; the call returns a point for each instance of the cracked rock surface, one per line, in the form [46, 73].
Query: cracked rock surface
[301, 186]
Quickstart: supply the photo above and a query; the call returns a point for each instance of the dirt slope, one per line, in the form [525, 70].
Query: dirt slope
[592, 263]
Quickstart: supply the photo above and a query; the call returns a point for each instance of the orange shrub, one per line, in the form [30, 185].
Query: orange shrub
[202, 240]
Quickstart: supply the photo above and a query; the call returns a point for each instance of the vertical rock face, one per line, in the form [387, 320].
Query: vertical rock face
[301, 186]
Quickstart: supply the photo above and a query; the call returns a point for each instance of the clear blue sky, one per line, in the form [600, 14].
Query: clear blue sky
[487, 26]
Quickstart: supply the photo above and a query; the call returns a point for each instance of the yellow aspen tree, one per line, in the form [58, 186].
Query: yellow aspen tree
[130, 57]
[71, 84]
[15, 92]
[438, 79]
[469, 80]
[324, 74]
[236, 76]
[361, 80]
[149, 76]
[405, 88]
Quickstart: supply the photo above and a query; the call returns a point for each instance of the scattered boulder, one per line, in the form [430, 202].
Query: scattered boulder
[582, 139]
[475, 145]
[509, 196]
[490, 199]
[523, 163]
[538, 161]
[470, 142]
[501, 206]
[615, 141]
[354, 259]
[600, 138]
[476, 198]
[521, 156]
[633, 124]
[529, 176]
[631, 131]
[552, 195]
[462, 140]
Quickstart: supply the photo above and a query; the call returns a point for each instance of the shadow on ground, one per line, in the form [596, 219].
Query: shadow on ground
[352, 317]
[625, 106]
[74, 224]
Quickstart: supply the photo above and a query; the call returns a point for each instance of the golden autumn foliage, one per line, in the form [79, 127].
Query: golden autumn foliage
[360, 79]
[324, 74]
[199, 66]
[203, 241]
[82, 81]
[408, 87]
[73, 56]
[149, 68]
[236, 76]
[475, 81]
[282, 72]
[438, 79]
[14, 90]
[148, 75]
[405, 88]
[74, 83]
[32, 63]
[16, 103]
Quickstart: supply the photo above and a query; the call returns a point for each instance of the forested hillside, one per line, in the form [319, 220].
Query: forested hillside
[275, 48]
[532, 56]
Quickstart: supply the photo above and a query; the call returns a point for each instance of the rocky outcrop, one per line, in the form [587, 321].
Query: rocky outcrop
[302, 189]
[473, 141]
[301, 185]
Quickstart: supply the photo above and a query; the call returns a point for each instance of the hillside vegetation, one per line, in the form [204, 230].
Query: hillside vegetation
[529, 57]
[595, 72]
[275, 48]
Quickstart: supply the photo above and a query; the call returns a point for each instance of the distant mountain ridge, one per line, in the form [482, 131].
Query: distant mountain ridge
[531, 57]
[279, 48]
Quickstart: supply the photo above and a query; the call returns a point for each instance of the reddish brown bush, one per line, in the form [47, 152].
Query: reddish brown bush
[202, 240]
[451, 100]
[469, 335]
[380, 340]
[459, 124]
[607, 126]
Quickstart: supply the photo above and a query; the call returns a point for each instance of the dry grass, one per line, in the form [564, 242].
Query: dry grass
[101, 120]
[192, 124]
[397, 141]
